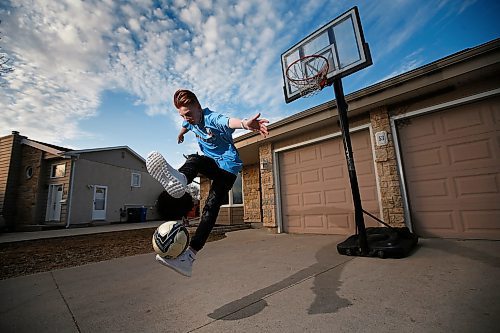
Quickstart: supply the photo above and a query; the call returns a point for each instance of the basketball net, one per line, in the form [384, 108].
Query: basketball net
[308, 74]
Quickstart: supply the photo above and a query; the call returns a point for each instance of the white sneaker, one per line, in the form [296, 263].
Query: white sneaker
[183, 264]
[172, 180]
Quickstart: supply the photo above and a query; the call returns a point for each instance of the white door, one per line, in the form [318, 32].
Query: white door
[99, 206]
[54, 203]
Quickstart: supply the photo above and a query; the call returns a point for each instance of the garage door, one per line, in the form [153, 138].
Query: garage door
[315, 189]
[451, 162]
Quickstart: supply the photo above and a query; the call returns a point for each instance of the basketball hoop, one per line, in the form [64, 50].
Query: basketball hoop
[308, 74]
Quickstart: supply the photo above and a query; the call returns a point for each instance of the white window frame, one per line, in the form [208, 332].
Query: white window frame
[53, 170]
[138, 184]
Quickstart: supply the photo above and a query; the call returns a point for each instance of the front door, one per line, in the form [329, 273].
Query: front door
[99, 207]
[54, 203]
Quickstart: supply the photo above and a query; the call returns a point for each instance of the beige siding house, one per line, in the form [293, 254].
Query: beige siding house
[43, 185]
[426, 145]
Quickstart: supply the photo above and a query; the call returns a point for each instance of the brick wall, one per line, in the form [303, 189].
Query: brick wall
[251, 193]
[28, 189]
[387, 171]
[267, 186]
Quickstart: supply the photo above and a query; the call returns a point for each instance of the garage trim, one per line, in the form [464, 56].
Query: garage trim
[430, 109]
[276, 167]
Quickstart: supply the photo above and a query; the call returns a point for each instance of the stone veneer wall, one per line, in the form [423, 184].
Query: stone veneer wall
[204, 189]
[387, 171]
[251, 194]
[267, 187]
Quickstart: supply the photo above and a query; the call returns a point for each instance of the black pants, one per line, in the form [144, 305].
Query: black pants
[222, 182]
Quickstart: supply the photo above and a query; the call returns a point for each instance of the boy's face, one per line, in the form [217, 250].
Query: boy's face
[191, 113]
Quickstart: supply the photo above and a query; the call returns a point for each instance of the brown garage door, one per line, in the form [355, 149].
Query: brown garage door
[451, 161]
[315, 191]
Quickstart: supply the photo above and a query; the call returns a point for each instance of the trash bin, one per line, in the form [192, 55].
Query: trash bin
[133, 214]
[143, 212]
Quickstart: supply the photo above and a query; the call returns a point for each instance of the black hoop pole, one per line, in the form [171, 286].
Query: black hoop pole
[356, 197]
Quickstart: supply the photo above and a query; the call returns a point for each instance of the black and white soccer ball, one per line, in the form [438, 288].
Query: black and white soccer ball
[170, 239]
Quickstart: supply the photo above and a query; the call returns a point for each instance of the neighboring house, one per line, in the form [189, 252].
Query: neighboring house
[426, 145]
[42, 185]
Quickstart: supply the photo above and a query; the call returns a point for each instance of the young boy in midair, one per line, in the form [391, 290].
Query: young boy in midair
[220, 163]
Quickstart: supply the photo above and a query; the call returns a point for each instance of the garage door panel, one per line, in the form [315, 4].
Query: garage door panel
[427, 157]
[466, 119]
[360, 143]
[336, 196]
[340, 223]
[431, 188]
[480, 220]
[422, 130]
[419, 131]
[471, 151]
[310, 176]
[436, 220]
[364, 167]
[322, 194]
[289, 159]
[496, 115]
[308, 155]
[473, 185]
[368, 193]
[330, 151]
[291, 200]
[314, 222]
[453, 177]
[294, 223]
[312, 198]
[333, 172]
[291, 178]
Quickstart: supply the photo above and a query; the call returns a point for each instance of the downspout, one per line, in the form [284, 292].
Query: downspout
[70, 193]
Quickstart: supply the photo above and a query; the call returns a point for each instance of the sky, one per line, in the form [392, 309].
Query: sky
[102, 73]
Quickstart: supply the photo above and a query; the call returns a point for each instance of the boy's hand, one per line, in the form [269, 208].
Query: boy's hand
[180, 138]
[257, 125]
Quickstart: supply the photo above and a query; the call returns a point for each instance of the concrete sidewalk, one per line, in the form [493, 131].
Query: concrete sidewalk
[254, 281]
[9, 237]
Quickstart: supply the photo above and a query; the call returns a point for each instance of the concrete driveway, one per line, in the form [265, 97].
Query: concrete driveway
[254, 281]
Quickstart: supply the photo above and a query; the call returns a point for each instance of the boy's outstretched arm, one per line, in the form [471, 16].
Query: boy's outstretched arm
[253, 124]
[180, 137]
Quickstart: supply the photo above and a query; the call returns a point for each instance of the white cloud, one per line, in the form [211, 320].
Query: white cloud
[410, 62]
[67, 53]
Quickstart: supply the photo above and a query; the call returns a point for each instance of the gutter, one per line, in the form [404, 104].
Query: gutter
[74, 158]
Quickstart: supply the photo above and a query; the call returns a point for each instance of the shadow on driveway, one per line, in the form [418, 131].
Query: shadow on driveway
[325, 286]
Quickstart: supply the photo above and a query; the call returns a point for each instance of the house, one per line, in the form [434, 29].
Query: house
[426, 145]
[43, 185]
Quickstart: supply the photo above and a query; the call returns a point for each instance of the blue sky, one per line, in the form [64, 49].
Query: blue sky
[102, 73]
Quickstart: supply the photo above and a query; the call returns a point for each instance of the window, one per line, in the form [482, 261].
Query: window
[29, 172]
[135, 180]
[235, 195]
[58, 170]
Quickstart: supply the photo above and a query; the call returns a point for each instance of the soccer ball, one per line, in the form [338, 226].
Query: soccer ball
[170, 239]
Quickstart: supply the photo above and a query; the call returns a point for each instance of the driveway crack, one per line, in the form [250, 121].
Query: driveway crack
[65, 302]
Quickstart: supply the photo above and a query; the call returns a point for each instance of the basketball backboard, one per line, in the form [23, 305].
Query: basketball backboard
[341, 42]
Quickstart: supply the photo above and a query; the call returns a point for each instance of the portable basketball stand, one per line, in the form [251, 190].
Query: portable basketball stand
[388, 242]
[338, 51]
